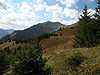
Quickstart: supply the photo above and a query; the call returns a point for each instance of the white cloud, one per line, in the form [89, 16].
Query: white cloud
[9, 6]
[58, 14]
[21, 19]
[24, 18]
[70, 13]
[66, 14]
[2, 0]
[91, 11]
[39, 1]
[91, 0]
[2, 12]
[68, 3]
[69, 22]
[6, 6]
[4, 26]
[52, 8]
[24, 7]
[2, 5]
[38, 7]
[55, 11]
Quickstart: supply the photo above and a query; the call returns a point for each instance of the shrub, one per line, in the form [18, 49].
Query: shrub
[30, 62]
[4, 63]
[73, 63]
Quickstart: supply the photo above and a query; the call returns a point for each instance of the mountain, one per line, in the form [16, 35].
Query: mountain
[33, 31]
[5, 32]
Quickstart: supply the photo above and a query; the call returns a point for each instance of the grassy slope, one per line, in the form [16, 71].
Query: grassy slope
[61, 42]
[59, 56]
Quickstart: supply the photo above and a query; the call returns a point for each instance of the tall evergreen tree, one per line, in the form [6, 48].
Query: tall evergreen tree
[97, 18]
[30, 62]
[86, 35]
[97, 15]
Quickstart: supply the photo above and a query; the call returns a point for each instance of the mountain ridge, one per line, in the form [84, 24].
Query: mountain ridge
[33, 31]
[4, 32]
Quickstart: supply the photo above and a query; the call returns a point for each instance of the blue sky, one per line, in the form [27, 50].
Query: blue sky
[21, 14]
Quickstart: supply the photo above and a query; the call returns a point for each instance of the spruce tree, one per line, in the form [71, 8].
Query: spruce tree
[86, 35]
[31, 62]
[97, 19]
[97, 15]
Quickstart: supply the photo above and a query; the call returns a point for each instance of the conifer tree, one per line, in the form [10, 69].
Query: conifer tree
[31, 62]
[97, 15]
[97, 18]
[86, 35]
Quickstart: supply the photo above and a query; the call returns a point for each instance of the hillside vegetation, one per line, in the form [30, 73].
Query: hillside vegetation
[59, 59]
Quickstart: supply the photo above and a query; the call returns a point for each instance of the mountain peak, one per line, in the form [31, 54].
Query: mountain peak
[48, 21]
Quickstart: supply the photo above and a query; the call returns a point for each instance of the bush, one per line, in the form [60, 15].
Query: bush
[4, 63]
[30, 62]
[73, 63]
[76, 60]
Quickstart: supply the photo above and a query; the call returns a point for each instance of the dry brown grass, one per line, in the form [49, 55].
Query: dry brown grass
[59, 56]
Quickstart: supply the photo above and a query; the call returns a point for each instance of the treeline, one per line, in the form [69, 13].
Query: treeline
[40, 37]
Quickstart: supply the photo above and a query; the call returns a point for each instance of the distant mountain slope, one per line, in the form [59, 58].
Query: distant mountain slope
[5, 32]
[33, 31]
[64, 38]
[61, 41]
